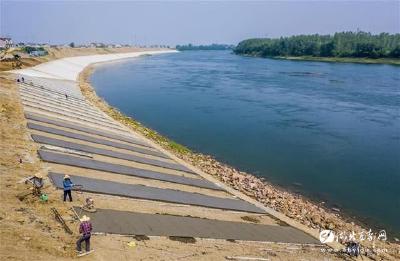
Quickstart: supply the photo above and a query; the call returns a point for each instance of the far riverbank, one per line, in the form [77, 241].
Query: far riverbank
[388, 61]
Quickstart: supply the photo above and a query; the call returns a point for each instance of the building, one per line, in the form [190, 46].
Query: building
[38, 53]
[5, 42]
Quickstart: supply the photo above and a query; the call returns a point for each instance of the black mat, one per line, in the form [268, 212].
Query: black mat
[157, 194]
[67, 159]
[78, 127]
[109, 153]
[83, 137]
[132, 223]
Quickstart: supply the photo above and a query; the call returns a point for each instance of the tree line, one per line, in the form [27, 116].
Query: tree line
[344, 44]
[204, 47]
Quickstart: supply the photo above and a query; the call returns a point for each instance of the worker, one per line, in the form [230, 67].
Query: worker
[67, 184]
[85, 228]
[89, 205]
[37, 182]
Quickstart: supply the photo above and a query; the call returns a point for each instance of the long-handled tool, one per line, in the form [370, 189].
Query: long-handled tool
[61, 220]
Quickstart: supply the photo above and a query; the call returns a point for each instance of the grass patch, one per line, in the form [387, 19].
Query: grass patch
[186, 240]
[141, 237]
[149, 133]
[250, 219]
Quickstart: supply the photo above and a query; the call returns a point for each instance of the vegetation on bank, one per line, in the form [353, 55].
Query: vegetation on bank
[149, 133]
[31, 49]
[393, 61]
[356, 46]
[204, 47]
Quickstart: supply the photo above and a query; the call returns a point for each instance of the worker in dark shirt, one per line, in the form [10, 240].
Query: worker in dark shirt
[85, 229]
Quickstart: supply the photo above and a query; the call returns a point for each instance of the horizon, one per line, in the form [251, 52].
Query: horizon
[176, 23]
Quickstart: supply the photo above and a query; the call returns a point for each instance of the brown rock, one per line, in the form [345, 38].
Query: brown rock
[330, 225]
[316, 219]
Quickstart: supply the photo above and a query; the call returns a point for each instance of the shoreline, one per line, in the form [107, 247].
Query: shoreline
[326, 217]
[382, 61]
[286, 204]
[184, 153]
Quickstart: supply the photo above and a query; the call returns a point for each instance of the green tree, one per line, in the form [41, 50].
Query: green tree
[327, 50]
[343, 44]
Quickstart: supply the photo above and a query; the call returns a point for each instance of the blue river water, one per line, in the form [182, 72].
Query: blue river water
[330, 131]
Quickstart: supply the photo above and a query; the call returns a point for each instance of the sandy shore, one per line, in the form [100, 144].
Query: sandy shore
[70, 67]
[289, 208]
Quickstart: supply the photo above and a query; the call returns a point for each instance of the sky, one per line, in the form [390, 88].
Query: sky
[181, 22]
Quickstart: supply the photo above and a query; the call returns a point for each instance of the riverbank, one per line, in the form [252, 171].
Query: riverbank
[353, 47]
[17, 219]
[334, 59]
[30, 232]
[291, 205]
[28, 228]
[341, 60]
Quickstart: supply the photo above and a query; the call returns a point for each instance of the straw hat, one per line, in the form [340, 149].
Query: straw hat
[38, 175]
[85, 218]
[66, 177]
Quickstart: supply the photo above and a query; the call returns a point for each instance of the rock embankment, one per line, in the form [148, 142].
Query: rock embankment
[292, 205]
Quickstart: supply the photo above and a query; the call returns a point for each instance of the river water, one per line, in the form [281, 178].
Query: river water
[330, 131]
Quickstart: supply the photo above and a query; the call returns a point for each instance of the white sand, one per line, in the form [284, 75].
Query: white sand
[70, 67]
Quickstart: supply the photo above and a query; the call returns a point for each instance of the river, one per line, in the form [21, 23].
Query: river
[330, 131]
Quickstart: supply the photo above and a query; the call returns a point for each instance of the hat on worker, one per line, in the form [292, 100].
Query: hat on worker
[66, 177]
[85, 218]
[38, 175]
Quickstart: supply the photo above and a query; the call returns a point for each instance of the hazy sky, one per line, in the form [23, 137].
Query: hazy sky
[176, 22]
